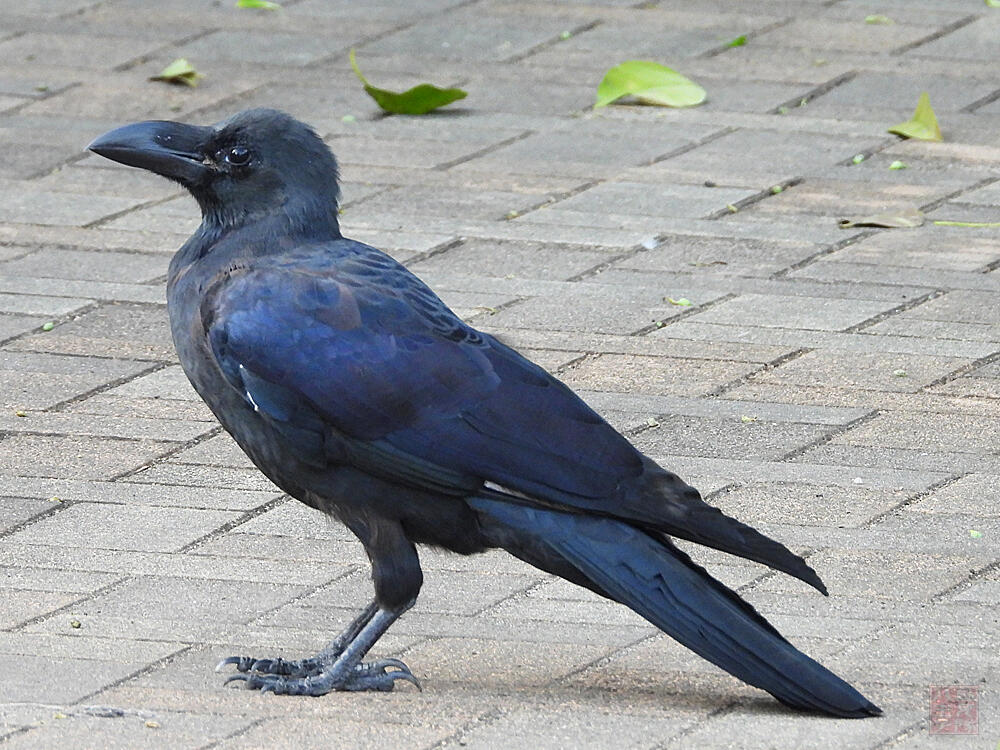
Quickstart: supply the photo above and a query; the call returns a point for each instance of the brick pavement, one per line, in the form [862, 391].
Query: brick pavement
[837, 388]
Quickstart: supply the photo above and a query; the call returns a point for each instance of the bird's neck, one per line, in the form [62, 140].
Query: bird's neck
[254, 237]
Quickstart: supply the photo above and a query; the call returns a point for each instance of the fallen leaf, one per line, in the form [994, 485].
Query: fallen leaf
[904, 219]
[776, 189]
[923, 126]
[682, 302]
[878, 19]
[899, 373]
[650, 83]
[975, 534]
[745, 419]
[75, 624]
[419, 100]
[48, 326]
[993, 3]
[179, 72]
[738, 41]
[20, 414]
[565, 35]
[262, 4]
[973, 224]
[898, 165]
[858, 158]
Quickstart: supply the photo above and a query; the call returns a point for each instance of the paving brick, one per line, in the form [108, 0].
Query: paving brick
[81, 265]
[588, 149]
[532, 260]
[859, 370]
[966, 42]
[584, 307]
[44, 679]
[963, 496]
[105, 526]
[127, 492]
[97, 332]
[82, 457]
[750, 438]
[809, 504]
[774, 311]
[136, 731]
[23, 605]
[925, 431]
[474, 35]
[172, 472]
[653, 375]
[569, 727]
[16, 510]
[761, 158]
[848, 573]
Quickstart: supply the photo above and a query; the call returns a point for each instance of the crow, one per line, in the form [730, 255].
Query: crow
[356, 390]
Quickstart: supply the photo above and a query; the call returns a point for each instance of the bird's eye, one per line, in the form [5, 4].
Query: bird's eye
[238, 156]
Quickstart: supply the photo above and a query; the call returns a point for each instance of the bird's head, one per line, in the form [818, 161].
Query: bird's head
[255, 164]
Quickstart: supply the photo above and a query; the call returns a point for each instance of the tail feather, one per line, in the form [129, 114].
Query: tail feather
[686, 516]
[654, 578]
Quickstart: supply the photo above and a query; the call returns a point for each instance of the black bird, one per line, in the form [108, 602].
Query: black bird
[357, 391]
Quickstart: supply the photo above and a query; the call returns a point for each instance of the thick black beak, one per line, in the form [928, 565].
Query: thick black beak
[170, 149]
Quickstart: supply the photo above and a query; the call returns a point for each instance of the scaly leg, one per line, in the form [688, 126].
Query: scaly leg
[336, 667]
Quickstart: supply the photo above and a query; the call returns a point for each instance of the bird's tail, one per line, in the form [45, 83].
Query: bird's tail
[651, 576]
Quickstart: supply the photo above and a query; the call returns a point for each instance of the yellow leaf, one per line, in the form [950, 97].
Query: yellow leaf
[923, 126]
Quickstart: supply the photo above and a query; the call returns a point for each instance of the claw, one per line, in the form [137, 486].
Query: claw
[405, 675]
[243, 663]
[387, 662]
[239, 676]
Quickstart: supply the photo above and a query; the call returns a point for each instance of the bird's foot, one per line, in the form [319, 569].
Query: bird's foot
[312, 677]
[278, 666]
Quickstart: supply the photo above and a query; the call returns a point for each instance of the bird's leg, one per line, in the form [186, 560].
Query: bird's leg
[337, 667]
[304, 667]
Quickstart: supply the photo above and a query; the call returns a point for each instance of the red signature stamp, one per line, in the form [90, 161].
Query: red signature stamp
[954, 709]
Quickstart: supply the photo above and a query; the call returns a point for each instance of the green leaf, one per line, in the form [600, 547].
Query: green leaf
[975, 534]
[262, 4]
[180, 72]
[993, 3]
[903, 219]
[973, 224]
[923, 126]
[747, 419]
[48, 326]
[650, 83]
[898, 165]
[682, 302]
[878, 19]
[419, 100]
[738, 41]
[858, 158]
